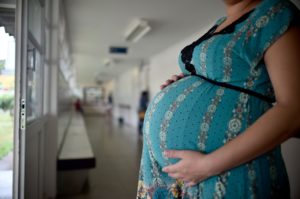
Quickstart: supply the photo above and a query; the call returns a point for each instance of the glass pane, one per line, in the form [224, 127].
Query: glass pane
[34, 83]
[7, 84]
[35, 19]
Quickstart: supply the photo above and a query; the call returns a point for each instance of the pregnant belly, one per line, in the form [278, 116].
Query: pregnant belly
[181, 115]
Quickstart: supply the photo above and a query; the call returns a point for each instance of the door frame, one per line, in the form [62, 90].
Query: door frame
[22, 128]
[20, 93]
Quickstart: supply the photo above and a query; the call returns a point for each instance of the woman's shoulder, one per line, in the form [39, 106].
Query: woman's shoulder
[276, 9]
[271, 19]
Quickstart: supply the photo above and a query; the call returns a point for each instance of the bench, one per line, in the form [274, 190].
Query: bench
[75, 155]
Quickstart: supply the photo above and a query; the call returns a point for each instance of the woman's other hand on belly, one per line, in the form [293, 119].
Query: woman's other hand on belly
[192, 168]
[174, 78]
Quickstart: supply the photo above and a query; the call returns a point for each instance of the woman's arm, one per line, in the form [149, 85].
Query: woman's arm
[279, 123]
[282, 121]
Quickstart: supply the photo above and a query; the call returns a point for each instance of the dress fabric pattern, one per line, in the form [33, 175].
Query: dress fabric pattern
[193, 114]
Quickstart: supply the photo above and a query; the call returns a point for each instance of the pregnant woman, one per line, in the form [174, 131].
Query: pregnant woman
[216, 132]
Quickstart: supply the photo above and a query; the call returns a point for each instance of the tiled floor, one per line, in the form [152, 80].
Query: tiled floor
[117, 150]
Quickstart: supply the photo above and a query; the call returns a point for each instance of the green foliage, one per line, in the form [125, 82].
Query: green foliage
[2, 65]
[5, 148]
[6, 134]
[6, 102]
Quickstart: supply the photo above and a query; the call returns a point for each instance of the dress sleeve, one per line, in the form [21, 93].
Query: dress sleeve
[267, 27]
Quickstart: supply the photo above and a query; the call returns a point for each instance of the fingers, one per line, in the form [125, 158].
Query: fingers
[181, 75]
[169, 81]
[175, 175]
[174, 78]
[177, 77]
[174, 153]
[178, 175]
[162, 86]
[173, 168]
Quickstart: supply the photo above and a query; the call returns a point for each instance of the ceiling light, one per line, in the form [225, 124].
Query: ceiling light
[107, 62]
[136, 30]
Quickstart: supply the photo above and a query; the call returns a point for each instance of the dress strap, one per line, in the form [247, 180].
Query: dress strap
[237, 88]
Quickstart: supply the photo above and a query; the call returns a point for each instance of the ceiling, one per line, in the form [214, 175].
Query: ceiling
[94, 25]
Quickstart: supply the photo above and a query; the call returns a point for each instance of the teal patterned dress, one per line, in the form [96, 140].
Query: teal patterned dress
[193, 114]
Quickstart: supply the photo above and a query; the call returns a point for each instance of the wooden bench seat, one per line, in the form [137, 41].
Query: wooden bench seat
[75, 157]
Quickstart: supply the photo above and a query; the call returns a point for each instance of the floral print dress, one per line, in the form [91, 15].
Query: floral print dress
[193, 114]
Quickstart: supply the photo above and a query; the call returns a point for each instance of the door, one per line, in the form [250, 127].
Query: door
[29, 115]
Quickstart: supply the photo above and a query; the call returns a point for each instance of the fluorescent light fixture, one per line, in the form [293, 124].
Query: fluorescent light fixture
[108, 62]
[136, 30]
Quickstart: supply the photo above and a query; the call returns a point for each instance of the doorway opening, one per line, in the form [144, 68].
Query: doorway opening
[7, 86]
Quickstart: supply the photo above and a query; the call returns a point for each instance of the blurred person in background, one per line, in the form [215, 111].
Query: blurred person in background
[78, 106]
[144, 99]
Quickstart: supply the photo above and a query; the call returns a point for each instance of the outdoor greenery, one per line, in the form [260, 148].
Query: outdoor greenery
[6, 133]
[2, 65]
[6, 124]
[6, 102]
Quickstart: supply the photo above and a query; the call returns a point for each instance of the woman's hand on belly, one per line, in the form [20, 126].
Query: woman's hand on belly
[192, 168]
[174, 78]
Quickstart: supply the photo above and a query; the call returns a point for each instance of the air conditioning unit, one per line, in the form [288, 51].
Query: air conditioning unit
[136, 30]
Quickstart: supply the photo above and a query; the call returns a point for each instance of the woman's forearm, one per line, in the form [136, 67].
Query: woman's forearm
[271, 129]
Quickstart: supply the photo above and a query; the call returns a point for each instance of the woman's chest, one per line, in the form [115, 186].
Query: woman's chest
[220, 57]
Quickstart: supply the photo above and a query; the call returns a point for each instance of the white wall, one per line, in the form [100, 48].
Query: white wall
[108, 88]
[126, 92]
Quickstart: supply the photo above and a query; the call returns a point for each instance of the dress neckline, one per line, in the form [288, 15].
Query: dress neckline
[231, 27]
